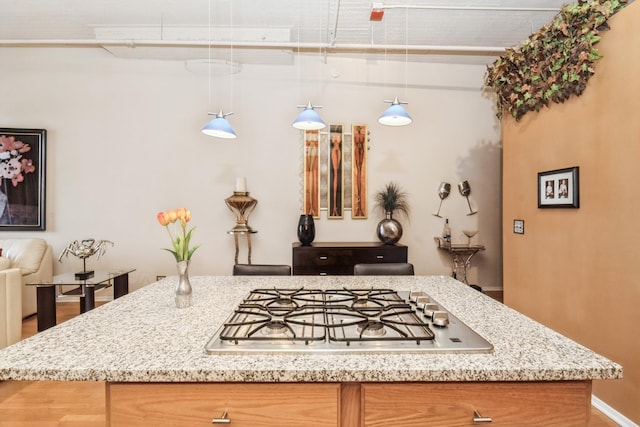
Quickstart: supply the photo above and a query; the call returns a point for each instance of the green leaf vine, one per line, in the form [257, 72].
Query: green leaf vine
[554, 63]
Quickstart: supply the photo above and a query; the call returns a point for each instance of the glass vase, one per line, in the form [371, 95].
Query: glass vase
[183, 287]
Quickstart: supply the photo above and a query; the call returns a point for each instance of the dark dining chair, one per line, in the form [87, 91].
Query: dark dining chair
[384, 269]
[261, 270]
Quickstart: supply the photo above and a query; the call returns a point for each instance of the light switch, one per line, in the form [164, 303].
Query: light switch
[518, 226]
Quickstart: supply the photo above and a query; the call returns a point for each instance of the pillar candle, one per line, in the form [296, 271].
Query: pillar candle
[241, 185]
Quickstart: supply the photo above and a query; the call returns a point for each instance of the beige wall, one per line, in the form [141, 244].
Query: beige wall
[124, 142]
[575, 270]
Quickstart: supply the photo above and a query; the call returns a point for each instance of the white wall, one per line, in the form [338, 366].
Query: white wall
[124, 142]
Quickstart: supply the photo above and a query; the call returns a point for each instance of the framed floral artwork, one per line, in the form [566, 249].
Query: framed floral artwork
[22, 179]
[559, 188]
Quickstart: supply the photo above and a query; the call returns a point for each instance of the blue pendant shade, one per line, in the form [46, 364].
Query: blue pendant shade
[219, 127]
[395, 115]
[308, 119]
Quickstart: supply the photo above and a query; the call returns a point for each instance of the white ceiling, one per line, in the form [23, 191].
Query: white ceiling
[260, 31]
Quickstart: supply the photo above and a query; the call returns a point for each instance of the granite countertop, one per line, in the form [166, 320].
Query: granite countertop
[142, 337]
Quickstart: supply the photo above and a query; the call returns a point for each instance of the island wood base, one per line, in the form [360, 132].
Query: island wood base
[562, 403]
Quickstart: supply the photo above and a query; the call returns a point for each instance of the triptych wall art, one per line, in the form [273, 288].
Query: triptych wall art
[335, 171]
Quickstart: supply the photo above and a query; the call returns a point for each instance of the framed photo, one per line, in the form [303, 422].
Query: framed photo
[22, 179]
[559, 188]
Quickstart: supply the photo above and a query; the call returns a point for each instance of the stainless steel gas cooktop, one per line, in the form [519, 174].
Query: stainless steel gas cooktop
[343, 321]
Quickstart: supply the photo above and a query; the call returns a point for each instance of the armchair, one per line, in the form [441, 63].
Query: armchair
[10, 307]
[35, 260]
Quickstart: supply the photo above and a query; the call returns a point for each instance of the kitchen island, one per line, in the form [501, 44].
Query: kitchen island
[151, 357]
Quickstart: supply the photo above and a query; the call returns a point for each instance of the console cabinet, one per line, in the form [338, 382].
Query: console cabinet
[330, 258]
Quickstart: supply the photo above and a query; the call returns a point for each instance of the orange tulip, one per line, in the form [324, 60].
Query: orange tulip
[181, 241]
[162, 219]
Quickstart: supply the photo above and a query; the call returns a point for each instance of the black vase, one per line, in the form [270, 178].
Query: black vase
[306, 229]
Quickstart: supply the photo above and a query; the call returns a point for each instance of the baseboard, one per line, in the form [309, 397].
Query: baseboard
[492, 289]
[611, 413]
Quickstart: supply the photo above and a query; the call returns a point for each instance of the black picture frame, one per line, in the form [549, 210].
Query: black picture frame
[22, 179]
[559, 188]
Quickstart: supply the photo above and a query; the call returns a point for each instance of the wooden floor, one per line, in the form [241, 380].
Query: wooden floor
[82, 404]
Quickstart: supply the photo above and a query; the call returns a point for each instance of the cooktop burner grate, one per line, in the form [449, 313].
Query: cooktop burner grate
[281, 320]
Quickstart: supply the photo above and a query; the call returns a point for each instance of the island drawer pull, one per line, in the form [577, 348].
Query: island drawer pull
[379, 256]
[477, 418]
[323, 257]
[222, 420]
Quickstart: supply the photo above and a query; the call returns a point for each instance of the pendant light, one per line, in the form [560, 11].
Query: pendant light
[309, 119]
[219, 127]
[396, 115]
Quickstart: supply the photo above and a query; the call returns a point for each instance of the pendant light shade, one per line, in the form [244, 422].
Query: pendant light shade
[395, 115]
[308, 119]
[219, 126]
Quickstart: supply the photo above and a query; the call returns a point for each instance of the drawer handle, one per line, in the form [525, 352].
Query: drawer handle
[323, 274]
[324, 257]
[380, 256]
[477, 418]
[222, 420]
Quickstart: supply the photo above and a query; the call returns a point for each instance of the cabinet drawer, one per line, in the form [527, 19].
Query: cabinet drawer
[323, 261]
[381, 254]
[564, 403]
[255, 405]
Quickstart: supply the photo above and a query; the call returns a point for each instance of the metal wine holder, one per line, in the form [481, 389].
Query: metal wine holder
[465, 190]
[443, 192]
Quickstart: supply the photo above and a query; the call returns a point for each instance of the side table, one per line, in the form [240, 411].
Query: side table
[461, 255]
[85, 289]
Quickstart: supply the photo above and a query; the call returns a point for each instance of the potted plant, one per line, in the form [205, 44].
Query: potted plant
[391, 199]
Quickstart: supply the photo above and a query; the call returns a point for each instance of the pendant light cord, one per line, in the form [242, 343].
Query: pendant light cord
[209, 54]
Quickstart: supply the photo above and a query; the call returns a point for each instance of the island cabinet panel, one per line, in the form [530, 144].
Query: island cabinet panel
[327, 258]
[562, 403]
[197, 404]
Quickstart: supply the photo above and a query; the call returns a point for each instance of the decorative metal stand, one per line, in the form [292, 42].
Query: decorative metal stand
[241, 204]
[461, 255]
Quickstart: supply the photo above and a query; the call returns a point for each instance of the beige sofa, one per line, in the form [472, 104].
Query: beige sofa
[10, 306]
[35, 260]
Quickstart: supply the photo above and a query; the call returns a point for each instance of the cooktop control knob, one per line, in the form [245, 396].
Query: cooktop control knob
[430, 308]
[422, 301]
[440, 318]
[414, 295]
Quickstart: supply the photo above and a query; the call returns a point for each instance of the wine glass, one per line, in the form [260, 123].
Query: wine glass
[465, 190]
[469, 234]
[443, 192]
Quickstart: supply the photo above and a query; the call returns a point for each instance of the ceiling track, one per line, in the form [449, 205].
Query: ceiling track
[303, 47]
[467, 8]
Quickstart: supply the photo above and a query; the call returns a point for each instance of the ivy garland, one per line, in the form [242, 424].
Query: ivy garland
[554, 63]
